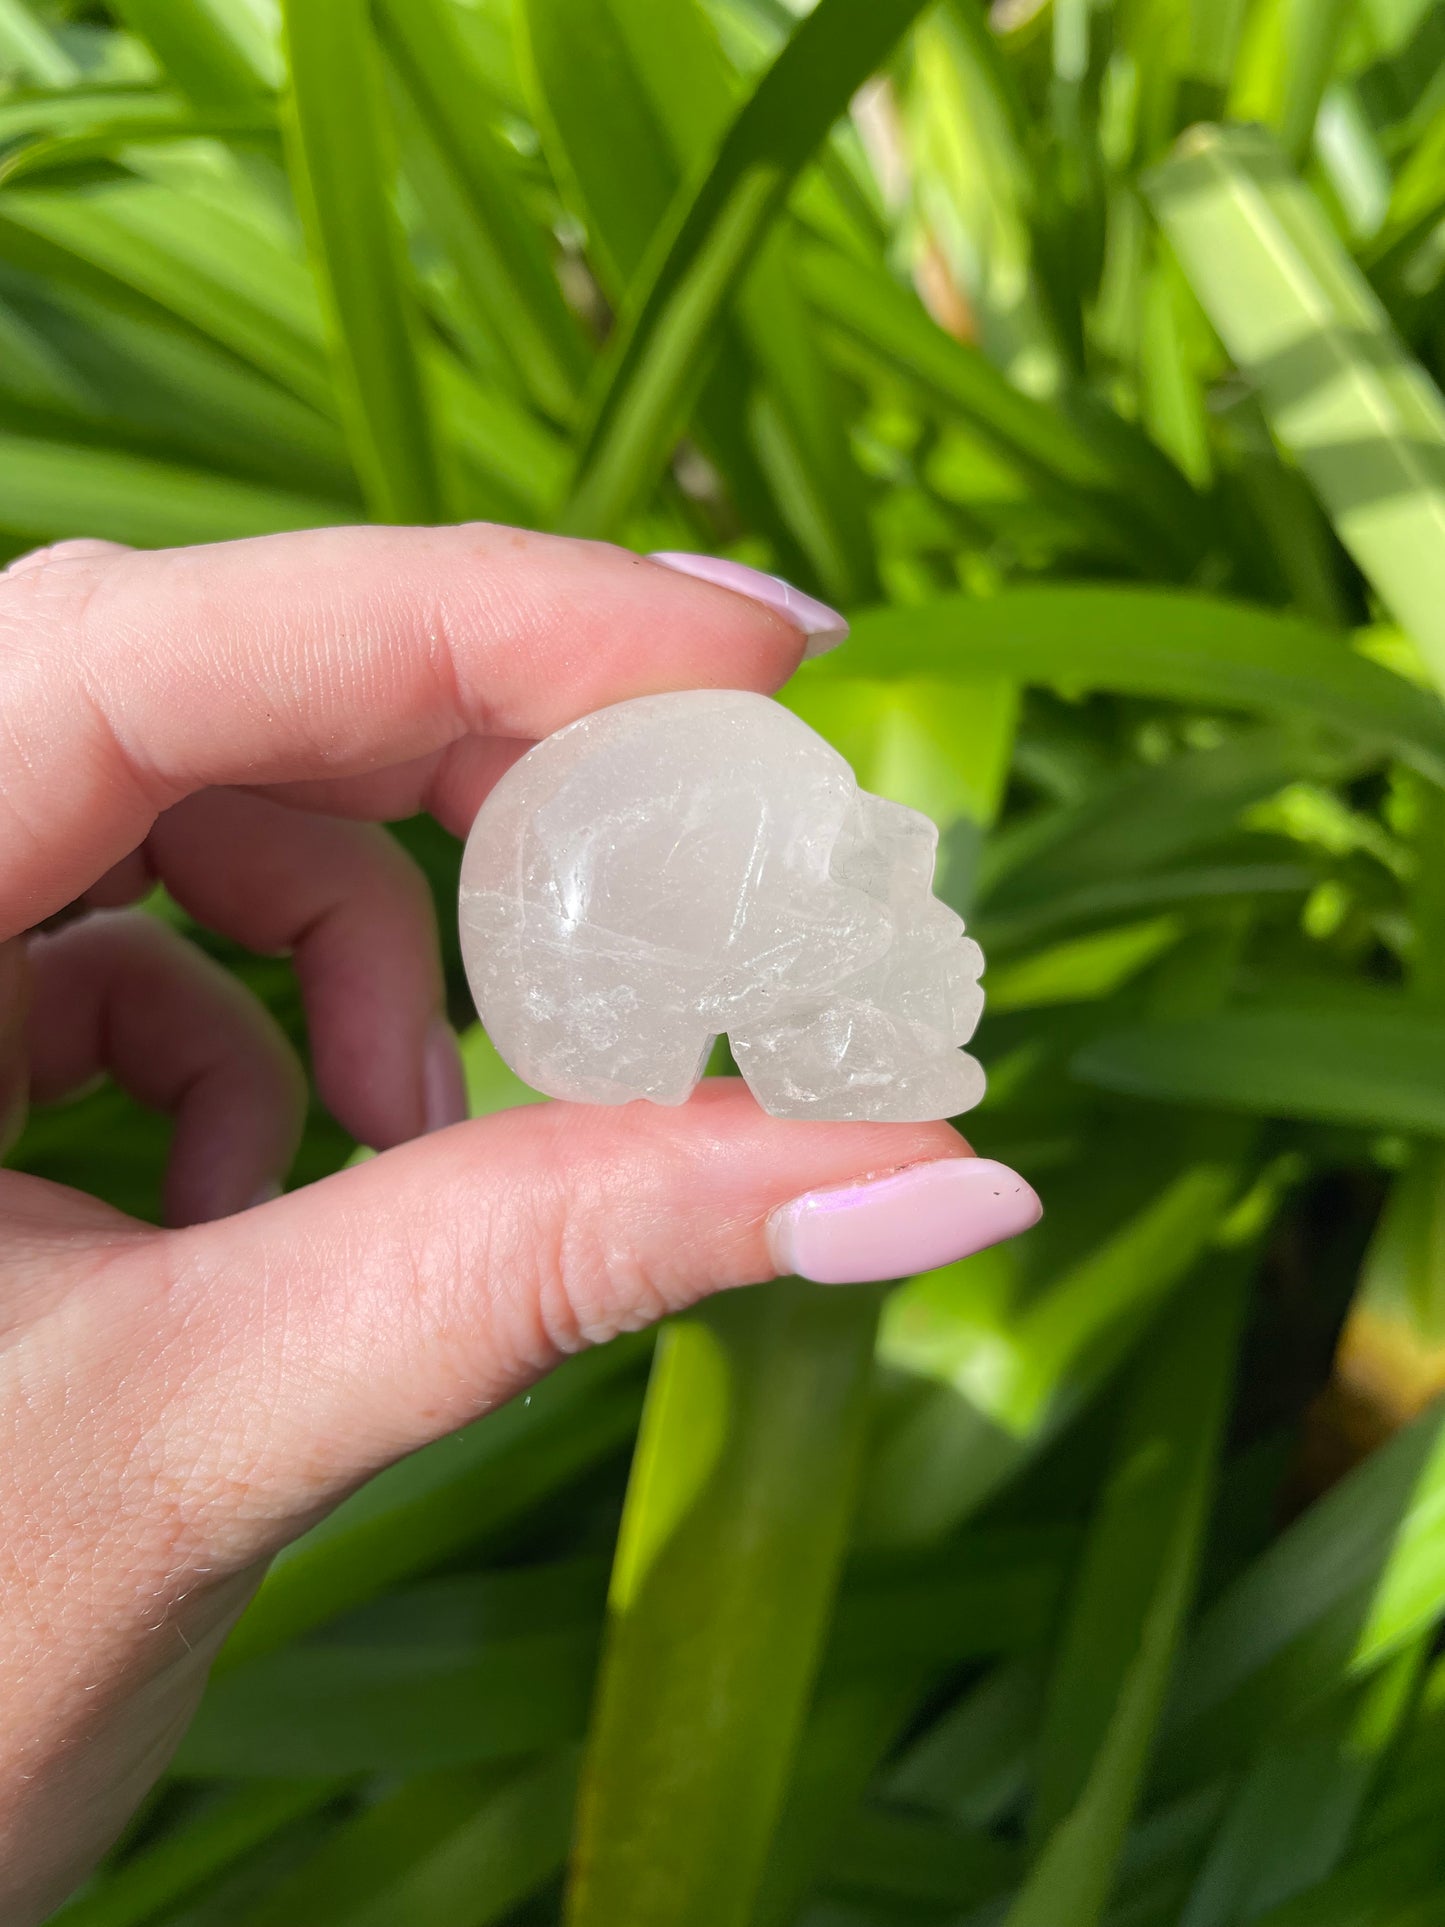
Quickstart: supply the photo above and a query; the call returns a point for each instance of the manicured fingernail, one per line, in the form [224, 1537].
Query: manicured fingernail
[823, 626]
[908, 1221]
[267, 1194]
[443, 1082]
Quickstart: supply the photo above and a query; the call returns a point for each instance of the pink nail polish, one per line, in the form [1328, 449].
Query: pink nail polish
[908, 1221]
[443, 1082]
[823, 626]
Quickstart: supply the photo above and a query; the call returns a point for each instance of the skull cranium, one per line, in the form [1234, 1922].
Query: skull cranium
[684, 865]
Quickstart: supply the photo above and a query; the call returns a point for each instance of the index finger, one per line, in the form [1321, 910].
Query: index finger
[130, 679]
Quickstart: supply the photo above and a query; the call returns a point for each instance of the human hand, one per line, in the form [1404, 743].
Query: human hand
[179, 1403]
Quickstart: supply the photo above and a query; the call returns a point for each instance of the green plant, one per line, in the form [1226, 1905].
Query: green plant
[1088, 356]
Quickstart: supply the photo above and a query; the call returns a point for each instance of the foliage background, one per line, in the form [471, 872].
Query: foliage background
[1086, 353]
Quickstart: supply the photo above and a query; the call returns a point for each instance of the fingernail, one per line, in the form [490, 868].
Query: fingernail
[909, 1221]
[267, 1194]
[823, 626]
[443, 1082]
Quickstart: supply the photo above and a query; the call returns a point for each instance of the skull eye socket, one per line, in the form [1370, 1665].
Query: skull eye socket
[885, 850]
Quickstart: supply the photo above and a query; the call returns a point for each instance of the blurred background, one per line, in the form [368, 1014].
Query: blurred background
[1085, 352]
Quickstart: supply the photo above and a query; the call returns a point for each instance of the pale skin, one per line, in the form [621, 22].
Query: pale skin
[179, 1403]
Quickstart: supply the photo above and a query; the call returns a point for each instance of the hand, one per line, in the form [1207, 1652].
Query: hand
[179, 1403]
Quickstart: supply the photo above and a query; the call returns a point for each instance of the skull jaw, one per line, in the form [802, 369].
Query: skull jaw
[855, 1061]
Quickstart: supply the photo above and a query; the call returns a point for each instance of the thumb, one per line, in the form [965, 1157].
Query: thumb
[337, 1328]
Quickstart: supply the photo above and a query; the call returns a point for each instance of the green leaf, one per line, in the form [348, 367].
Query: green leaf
[979, 199]
[902, 1626]
[796, 423]
[657, 351]
[32, 113]
[973, 1761]
[853, 1725]
[939, 747]
[1411, 1794]
[220, 53]
[146, 383]
[993, 1590]
[1081, 969]
[190, 1855]
[503, 446]
[1147, 816]
[728, 1557]
[146, 248]
[1353, 1580]
[340, 144]
[449, 1849]
[1149, 643]
[1211, 47]
[1005, 1368]
[54, 489]
[30, 50]
[1117, 1651]
[1079, 475]
[344, 1709]
[600, 131]
[617, 166]
[799, 431]
[1363, 419]
[906, 1860]
[448, 1495]
[1299, 49]
[1291, 1819]
[500, 253]
[1374, 1066]
[1003, 932]
[106, 137]
[1396, 1885]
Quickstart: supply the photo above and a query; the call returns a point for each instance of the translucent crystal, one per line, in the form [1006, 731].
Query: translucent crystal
[690, 864]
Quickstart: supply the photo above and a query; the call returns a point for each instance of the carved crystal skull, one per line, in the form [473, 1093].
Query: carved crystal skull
[684, 865]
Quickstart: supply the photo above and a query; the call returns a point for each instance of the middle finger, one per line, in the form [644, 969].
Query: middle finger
[355, 914]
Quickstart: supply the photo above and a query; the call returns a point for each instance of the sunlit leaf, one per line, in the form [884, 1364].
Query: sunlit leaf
[1364, 420]
[1143, 642]
[741, 1492]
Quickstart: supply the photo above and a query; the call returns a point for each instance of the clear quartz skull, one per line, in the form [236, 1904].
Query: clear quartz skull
[685, 865]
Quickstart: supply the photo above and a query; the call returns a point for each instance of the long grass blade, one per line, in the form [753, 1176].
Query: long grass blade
[160, 1878]
[500, 252]
[220, 53]
[450, 1849]
[1352, 1582]
[658, 350]
[29, 50]
[163, 255]
[730, 1550]
[1376, 1067]
[341, 167]
[1291, 1820]
[1127, 1617]
[796, 421]
[51, 489]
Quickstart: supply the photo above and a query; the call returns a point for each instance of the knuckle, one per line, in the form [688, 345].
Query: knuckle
[72, 549]
[592, 1279]
[47, 592]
